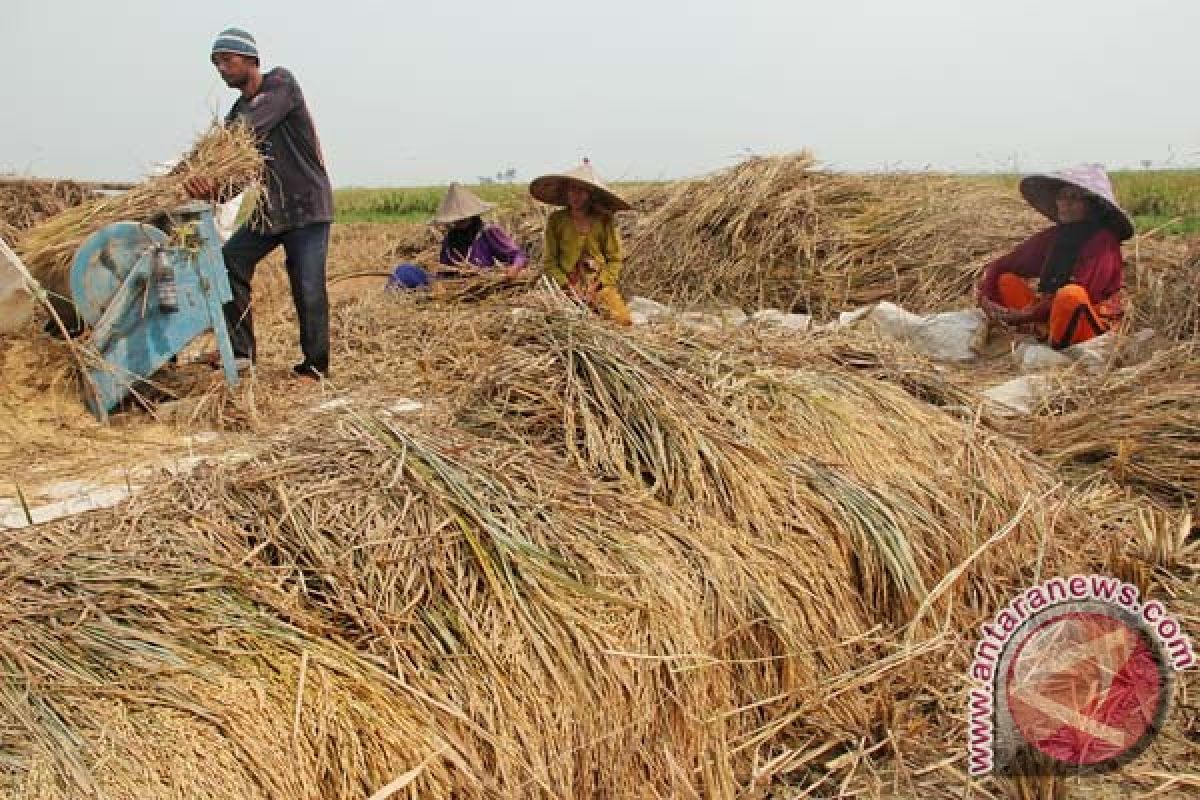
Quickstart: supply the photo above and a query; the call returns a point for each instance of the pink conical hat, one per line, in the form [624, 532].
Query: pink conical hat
[1040, 192]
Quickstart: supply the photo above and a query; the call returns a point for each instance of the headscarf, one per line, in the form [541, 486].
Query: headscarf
[460, 239]
[1069, 241]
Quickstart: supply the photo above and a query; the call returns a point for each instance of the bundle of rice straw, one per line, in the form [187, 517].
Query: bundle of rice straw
[1141, 424]
[227, 155]
[1163, 281]
[779, 232]
[26, 203]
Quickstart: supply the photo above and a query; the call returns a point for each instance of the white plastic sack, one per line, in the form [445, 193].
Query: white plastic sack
[1019, 396]
[16, 303]
[848, 318]
[948, 336]
[1035, 357]
[643, 310]
[772, 316]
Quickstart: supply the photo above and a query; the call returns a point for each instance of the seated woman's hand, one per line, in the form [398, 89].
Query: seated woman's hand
[991, 308]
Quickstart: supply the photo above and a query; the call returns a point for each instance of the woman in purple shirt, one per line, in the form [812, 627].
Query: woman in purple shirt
[468, 242]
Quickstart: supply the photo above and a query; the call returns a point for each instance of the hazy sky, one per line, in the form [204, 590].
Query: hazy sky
[408, 92]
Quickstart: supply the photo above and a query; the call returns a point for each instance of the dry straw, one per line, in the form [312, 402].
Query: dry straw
[227, 155]
[1163, 281]
[26, 203]
[642, 563]
[1140, 424]
[780, 232]
[614, 564]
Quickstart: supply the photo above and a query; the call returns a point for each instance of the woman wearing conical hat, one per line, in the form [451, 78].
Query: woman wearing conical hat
[1077, 262]
[582, 245]
[468, 241]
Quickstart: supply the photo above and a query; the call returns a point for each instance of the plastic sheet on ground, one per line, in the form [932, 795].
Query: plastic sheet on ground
[1019, 396]
[947, 336]
[782, 319]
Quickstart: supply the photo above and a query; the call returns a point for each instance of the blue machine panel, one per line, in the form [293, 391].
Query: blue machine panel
[116, 282]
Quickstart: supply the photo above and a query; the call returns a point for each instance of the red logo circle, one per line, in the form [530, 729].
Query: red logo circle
[1086, 688]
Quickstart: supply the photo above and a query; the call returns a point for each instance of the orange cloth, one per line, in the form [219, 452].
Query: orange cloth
[1070, 303]
[1015, 293]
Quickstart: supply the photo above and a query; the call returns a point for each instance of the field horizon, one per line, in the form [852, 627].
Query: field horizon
[1159, 199]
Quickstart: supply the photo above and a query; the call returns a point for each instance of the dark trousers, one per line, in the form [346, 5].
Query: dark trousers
[305, 250]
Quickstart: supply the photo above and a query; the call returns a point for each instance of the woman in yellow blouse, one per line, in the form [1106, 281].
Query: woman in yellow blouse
[583, 247]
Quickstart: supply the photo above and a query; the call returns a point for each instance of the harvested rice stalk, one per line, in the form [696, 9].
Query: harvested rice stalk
[228, 155]
[1140, 424]
[368, 598]
[1163, 281]
[621, 413]
[475, 286]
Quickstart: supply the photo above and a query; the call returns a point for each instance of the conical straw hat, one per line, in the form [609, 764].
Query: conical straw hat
[552, 189]
[460, 204]
[1040, 191]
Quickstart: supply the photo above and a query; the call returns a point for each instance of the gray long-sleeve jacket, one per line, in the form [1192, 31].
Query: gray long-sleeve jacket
[298, 188]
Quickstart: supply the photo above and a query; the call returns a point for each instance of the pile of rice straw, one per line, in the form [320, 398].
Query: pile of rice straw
[603, 564]
[26, 203]
[1163, 282]
[780, 232]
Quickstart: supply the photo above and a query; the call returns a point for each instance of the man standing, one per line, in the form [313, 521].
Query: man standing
[297, 209]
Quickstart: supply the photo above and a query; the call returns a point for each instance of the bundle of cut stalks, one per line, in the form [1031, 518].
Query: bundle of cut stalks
[1140, 424]
[227, 155]
[1163, 280]
[26, 203]
[781, 233]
